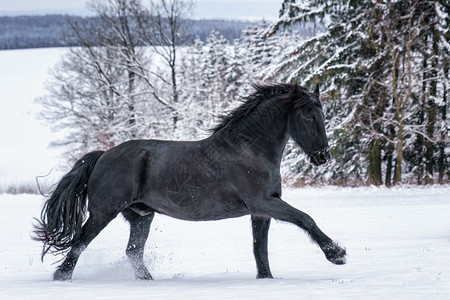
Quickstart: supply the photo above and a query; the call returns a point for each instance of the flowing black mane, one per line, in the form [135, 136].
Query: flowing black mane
[264, 92]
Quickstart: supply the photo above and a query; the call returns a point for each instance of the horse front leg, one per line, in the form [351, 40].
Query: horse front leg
[260, 229]
[280, 210]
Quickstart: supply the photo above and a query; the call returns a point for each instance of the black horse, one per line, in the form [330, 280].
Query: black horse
[234, 172]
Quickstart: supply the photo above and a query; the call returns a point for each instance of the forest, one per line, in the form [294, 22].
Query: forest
[382, 67]
[41, 31]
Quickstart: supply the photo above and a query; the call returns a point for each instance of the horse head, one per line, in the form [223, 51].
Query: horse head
[307, 124]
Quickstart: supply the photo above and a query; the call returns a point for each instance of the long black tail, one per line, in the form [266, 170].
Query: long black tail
[64, 212]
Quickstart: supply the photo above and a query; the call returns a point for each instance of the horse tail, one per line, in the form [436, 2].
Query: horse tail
[64, 212]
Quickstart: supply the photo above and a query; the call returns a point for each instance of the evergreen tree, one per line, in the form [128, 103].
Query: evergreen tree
[261, 50]
[329, 58]
[366, 61]
[209, 77]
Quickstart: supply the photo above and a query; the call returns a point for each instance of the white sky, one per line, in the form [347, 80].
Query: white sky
[68, 4]
[204, 8]
[6, 5]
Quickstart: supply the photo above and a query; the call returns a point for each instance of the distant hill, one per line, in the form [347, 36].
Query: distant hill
[40, 31]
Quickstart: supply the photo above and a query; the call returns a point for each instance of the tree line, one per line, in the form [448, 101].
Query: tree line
[382, 67]
[42, 31]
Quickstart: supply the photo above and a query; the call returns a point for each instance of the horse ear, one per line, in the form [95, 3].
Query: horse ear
[297, 90]
[316, 91]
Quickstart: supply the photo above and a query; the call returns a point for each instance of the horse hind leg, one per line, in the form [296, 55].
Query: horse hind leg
[139, 231]
[89, 231]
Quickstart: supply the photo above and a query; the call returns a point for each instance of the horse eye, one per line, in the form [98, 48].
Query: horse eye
[309, 119]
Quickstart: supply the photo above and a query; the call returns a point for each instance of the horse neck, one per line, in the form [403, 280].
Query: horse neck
[261, 132]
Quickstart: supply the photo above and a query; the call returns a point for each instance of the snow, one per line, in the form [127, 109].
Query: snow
[24, 139]
[398, 241]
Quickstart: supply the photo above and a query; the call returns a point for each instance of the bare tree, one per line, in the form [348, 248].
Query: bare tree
[102, 93]
[163, 26]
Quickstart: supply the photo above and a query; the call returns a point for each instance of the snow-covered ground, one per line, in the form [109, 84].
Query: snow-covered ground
[24, 139]
[398, 240]
[398, 244]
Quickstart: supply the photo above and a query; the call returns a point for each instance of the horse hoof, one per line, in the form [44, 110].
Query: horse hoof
[335, 254]
[339, 261]
[264, 276]
[62, 276]
[143, 275]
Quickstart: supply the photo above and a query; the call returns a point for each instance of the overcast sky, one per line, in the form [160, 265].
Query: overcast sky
[229, 9]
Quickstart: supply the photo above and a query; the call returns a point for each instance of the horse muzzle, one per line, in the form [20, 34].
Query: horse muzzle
[320, 157]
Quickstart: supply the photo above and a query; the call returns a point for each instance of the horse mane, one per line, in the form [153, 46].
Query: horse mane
[262, 93]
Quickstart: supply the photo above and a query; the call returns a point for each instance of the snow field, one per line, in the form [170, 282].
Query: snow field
[398, 244]
[24, 139]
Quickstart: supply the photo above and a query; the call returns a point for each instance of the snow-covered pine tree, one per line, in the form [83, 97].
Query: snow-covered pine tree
[417, 84]
[329, 58]
[260, 49]
[367, 60]
[210, 78]
[251, 43]
[239, 80]
[194, 91]
[428, 153]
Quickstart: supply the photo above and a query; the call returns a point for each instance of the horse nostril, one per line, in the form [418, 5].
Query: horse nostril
[327, 154]
[320, 157]
[324, 155]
